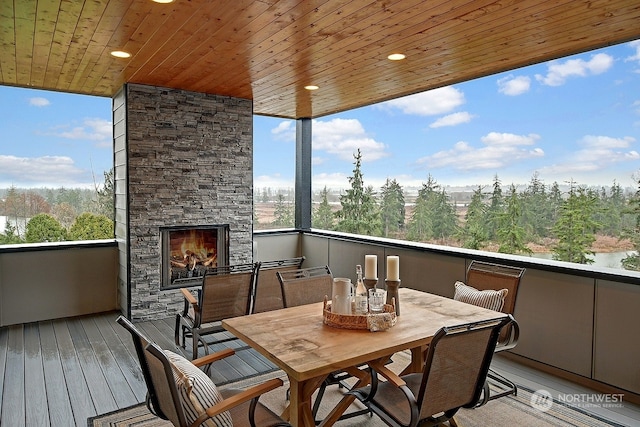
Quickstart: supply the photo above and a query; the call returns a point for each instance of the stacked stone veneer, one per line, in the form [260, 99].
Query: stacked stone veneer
[183, 158]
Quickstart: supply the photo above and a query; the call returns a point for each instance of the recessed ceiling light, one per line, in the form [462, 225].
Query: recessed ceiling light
[120, 54]
[311, 87]
[396, 56]
[163, 1]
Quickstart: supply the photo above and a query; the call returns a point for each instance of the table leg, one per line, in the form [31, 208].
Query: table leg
[364, 378]
[417, 361]
[299, 411]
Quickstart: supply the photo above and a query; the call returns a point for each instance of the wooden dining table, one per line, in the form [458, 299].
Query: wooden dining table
[307, 350]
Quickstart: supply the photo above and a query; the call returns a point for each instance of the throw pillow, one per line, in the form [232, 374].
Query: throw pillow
[491, 299]
[197, 391]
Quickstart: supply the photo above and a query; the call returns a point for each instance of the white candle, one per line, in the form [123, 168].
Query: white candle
[393, 268]
[371, 267]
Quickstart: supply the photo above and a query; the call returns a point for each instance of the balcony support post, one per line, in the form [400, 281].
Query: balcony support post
[303, 203]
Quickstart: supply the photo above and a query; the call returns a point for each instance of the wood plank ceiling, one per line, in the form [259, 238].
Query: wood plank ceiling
[269, 50]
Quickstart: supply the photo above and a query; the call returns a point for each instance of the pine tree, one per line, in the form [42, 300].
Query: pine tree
[323, 215]
[359, 212]
[575, 227]
[632, 260]
[44, 228]
[495, 210]
[105, 196]
[537, 209]
[511, 234]
[421, 223]
[392, 209]
[283, 213]
[474, 234]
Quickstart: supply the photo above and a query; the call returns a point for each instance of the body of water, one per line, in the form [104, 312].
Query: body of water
[607, 259]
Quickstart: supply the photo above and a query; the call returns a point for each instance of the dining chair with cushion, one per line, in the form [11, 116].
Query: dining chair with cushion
[306, 286]
[495, 287]
[453, 377]
[180, 392]
[225, 292]
[268, 291]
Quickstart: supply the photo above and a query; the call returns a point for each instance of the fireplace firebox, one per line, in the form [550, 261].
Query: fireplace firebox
[188, 251]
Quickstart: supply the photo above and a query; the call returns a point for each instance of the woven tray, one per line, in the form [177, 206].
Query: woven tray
[371, 321]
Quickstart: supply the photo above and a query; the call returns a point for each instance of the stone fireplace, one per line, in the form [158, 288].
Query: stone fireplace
[188, 252]
[182, 159]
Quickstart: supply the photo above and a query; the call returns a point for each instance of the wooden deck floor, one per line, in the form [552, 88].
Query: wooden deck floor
[59, 373]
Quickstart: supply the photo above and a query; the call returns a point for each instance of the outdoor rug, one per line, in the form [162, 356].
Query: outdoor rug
[525, 409]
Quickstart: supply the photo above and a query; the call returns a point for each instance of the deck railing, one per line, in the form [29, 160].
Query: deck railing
[576, 320]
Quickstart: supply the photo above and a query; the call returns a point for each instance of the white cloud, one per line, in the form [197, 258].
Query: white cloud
[272, 181]
[500, 150]
[636, 56]
[452, 120]
[430, 103]
[46, 170]
[343, 137]
[598, 153]
[559, 72]
[514, 85]
[98, 130]
[39, 102]
[333, 181]
[285, 131]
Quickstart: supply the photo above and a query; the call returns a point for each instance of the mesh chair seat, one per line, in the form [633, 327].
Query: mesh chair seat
[165, 400]
[226, 292]
[488, 276]
[453, 377]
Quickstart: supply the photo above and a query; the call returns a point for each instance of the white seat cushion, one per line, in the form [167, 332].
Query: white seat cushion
[197, 391]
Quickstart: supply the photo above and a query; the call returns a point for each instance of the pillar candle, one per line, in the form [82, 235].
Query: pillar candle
[393, 267]
[371, 267]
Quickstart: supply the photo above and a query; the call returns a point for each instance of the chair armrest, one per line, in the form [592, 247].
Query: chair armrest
[236, 399]
[512, 339]
[189, 296]
[391, 376]
[210, 358]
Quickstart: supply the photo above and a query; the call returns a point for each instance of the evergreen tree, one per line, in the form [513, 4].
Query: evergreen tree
[283, 213]
[421, 224]
[359, 212]
[473, 233]
[555, 200]
[392, 209]
[537, 209]
[575, 228]
[445, 224]
[10, 235]
[495, 210]
[106, 196]
[632, 260]
[323, 215]
[88, 226]
[511, 234]
[44, 228]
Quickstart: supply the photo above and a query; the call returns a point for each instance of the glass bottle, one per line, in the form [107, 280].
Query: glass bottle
[361, 293]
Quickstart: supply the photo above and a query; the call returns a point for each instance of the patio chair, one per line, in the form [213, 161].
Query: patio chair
[453, 377]
[306, 286]
[485, 276]
[178, 391]
[268, 291]
[226, 292]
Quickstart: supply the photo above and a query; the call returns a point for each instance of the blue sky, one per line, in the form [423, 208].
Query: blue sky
[576, 118]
